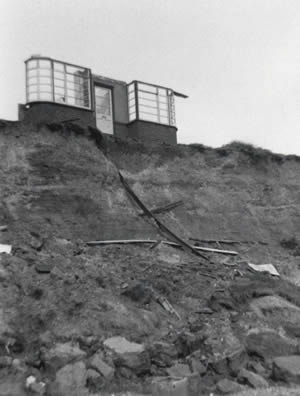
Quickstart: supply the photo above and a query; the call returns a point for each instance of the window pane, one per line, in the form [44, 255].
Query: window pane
[32, 96]
[58, 66]
[148, 88]
[32, 64]
[32, 72]
[44, 63]
[45, 96]
[59, 83]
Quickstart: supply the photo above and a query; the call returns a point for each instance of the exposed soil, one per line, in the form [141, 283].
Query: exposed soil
[60, 188]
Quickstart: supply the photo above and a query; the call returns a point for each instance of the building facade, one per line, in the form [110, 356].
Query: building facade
[57, 91]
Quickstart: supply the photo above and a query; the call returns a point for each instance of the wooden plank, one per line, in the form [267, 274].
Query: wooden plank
[162, 228]
[226, 241]
[151, 241]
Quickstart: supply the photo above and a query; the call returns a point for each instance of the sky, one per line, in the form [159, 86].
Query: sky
[237, 60]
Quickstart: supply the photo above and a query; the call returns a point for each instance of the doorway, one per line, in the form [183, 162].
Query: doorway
[103, 108]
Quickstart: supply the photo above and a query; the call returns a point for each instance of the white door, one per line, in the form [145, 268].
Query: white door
[104, 114]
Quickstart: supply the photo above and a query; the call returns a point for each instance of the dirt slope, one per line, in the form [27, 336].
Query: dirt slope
[60, 189]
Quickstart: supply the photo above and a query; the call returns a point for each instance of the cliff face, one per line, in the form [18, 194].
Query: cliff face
[60, 189]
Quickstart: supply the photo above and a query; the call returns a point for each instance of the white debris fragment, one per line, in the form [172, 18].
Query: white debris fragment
[264, 268]
[30, 380]
[5, 248]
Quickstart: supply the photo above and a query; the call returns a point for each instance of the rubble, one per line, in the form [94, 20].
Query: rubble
[227, 387]
[287, 369]
[61, 354]
[252, 379]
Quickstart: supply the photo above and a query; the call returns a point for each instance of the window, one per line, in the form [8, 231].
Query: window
[55, 81]
[151, 103]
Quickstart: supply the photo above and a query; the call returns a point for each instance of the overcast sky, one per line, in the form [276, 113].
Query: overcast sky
[238, 60]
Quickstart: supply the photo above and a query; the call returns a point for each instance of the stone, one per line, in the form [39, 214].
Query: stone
[237, 360]
[43, 268]
[139, 293]
[268, 345]
[197, 366]
[71, 380]
[5, 361]
[227, 386]
[257, 368]
[252, 379]
[129, 354]
[38, 388]
[103, 368]
[166, 386]
[187, 342]
[179, 370]
[162, 354]
[287, 368]
[94, 380]
[62, 354]
[12, 388]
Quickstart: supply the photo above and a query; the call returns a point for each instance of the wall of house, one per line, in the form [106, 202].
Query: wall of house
[39, 112]
[150, 132]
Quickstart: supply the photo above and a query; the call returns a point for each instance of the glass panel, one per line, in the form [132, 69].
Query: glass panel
[32, 64]
[45, 72]
[32, 72]
[45, 80]
[32, 80]
[45, 96]
[59, 98]
[58, 66]
[44, 63]
[148, 88]
[59, 83]
[148, 117]
[32, 96]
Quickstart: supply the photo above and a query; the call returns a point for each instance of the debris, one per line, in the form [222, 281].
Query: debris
[70, 380]
[179, 370]
[3, 228]
[226, 386]
[162, 353]
[287, 368]
[129, 354]
[5, 248]
[167, 306]
[162, 228]
[227, 241]
[205, 310]
[268, 344]
[165, 208]
[103, 368]
[138, 293]
[43, 268]
[252, 379]
[151, 241]
[265, 268]
[62, 354]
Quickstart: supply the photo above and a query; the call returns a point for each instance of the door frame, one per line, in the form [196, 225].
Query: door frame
[111, 88]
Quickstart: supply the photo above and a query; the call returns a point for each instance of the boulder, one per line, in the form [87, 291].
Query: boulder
[179, 370]
[226, 386]
[129, 354]
[287, 368]
[103, 368]
[252, 379]
[62, 354]
[70, 380]
[166, 386]
[268, 345]
[162, 353]
[94, 380]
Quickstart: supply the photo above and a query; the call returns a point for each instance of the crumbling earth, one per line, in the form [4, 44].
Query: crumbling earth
[87, 320]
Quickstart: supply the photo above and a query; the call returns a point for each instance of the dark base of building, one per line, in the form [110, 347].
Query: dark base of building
[144, 131]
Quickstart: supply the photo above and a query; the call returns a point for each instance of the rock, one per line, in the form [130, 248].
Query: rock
[38, 388]
[197, 366]
[99, 365]
[257, 368]
[5, 361]
[227, 386]
[70, 380]
[237, 360]
[62, 354]
[94, 380]
[187, 342]
[43, 268]
[129, 354]
[139, 293]
[287, 368]
[162, 354]
[268, 345]
[166, 386]
[12, 387]
[252, 379]
[179, 370]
